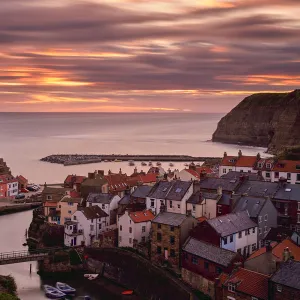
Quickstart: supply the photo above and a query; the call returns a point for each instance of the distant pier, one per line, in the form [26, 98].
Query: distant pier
[78, 159]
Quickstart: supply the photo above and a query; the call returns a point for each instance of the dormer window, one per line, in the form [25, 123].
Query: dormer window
[268, 166]
[231, 287]
[259, 165]
[231, 160]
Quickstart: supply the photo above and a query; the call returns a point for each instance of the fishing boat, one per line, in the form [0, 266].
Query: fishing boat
[171, 164]
[65, 288]
[186, 164]
[105, 160]
[129, 292]
[158, 163]
[143, 163]
[53, 293]
[150, 163]
[118, 160]
[131, 163]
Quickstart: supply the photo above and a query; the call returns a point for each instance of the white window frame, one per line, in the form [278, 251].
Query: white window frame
[259, 231]
[152, 202]
[231, 287]
[279, 288]
[298, 218]
[299, 205]
[259, 219]
[224, 171]
[266, 217]
[266, 229]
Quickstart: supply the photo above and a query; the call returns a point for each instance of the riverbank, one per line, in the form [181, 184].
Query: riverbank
[10, 208]
[77, 159]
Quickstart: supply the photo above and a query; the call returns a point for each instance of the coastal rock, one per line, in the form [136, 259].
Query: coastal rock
[270, 120]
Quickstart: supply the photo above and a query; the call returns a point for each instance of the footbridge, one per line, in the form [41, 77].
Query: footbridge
[15, 257]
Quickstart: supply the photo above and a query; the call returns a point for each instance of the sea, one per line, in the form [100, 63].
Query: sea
[27, 137]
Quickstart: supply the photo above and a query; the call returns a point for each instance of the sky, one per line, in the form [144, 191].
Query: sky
[144, 56]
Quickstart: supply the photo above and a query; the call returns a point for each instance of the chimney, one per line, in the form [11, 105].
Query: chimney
[134, 171]
[91, 175]
[101, 172]
[192, 166]
[240, 153]
[258, 156]
[109, 172]
[286, 255]
[162, 208]
[225, 154]
[120, 171]
[219, 190]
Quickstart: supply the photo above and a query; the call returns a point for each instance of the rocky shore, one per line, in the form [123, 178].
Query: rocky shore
[76, 159]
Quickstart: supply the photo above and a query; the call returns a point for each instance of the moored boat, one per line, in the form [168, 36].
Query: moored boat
[143, 163]
[150, 163]
[65, 288]
[158, 163]
[131, 163]
[118, 160]
[53, 293]
[171, 164]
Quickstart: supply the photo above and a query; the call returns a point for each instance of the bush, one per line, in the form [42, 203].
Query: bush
[60, 256]
[8, 283]
[5, 296]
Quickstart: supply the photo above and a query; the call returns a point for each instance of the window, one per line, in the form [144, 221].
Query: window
[219, 270]
[92, 227]
[121, 227]
[231, 287]
[172, 253]
[259, 231]
[206, 265]
[158, 236]
[225, 240]
[158, 250]
[262, 243]
[74, 218]
[103, 206]
[276, 174]
[171, 204]
[268, 166]
[172, 228]
[279, 288]
[219, 209]
[49, 197]
[194, 260]
[143, 228]
[224, 171]
[229, 170]
[152, 203]
[253, 247]
[268, 175]
[288, 176]
[70, 203]
[259, 219]
[120, 239]
[143, 239]
[298, 218]
[158, 226]
[298, 205]
[100, 226]
[298, 177]
[231, 238]
[240, 234]
[253, 230]
[178, 205]
[247, 231]
[130, 240]
[266, 217]
[172, 240]
[69, 211]
[130, 229]
[194, 207]
[259, 165]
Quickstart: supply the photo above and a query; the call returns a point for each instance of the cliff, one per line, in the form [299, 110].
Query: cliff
[270, 120]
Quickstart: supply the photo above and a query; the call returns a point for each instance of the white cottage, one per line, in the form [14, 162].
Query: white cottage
[85, 226]
[134, 227]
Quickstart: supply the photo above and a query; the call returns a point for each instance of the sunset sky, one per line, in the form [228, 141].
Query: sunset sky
[142, 55]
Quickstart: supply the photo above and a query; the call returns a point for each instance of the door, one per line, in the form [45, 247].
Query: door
[75, 241]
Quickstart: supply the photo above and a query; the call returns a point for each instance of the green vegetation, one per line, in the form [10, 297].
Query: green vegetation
[8, 284]
[5, 296]
[290, 153]
[75, 258]
[60, 256]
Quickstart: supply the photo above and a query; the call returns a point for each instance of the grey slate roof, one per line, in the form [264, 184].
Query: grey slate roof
[209, 252]
[231, 223]
[288, 192]
[250, 204]
[236, 175]
[141, 191]
[124, 200]
[93, 212]
[102, 198]
[257, 188]
[225, 199]
[173, 190]
[198, 197]
[212, 183]
[169, 218]
[288, 274]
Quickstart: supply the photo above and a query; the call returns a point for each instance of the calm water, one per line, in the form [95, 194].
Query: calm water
[27, 137]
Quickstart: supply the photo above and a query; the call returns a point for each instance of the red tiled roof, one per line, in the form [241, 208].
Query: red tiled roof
[141, 216]
[202, 219]
[246, 161]
[117, 182]
[7, 179]
[278, 250]
[148, 178]
[260, 251]
[74, 194]
[207, 170]
[250, 283]
[50, 204]
[22, 178]
[287, 166]
[192, 172]
[226, 161]
[78, 179]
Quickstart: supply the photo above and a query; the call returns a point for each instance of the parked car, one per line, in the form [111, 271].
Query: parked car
[31, 188]
[20, 196]
[23, 190]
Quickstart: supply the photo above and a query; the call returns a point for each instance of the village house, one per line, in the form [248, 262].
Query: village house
[173, 195]
[51, 212]
[23, 182]
[137, 199]
[266, 259]
[288, 169]
[90, 222]
[243, 284]
[134, 228]
[8, 186]
[261, 211]
[169, 231]
[107, 202]
[235, 232]
[54, 194]
[285, 283]
[68, 206]
[74, 182]
[141, 178]
[95, 183]
[264, 168]
[212, 184]
[189, 174]
[158, 171]
[202, 263]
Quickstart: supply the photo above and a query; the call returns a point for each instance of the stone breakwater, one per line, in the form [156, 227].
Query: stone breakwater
[77, 159]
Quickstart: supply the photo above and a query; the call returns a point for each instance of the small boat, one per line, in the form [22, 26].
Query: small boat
[118, 160]
[186, 164]
[158, 163]
[53, 293]
[91, 276]
[105, 160]
[171, 164]
[150, 163]
[143, 163]
[65, 288]
[129, 292]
